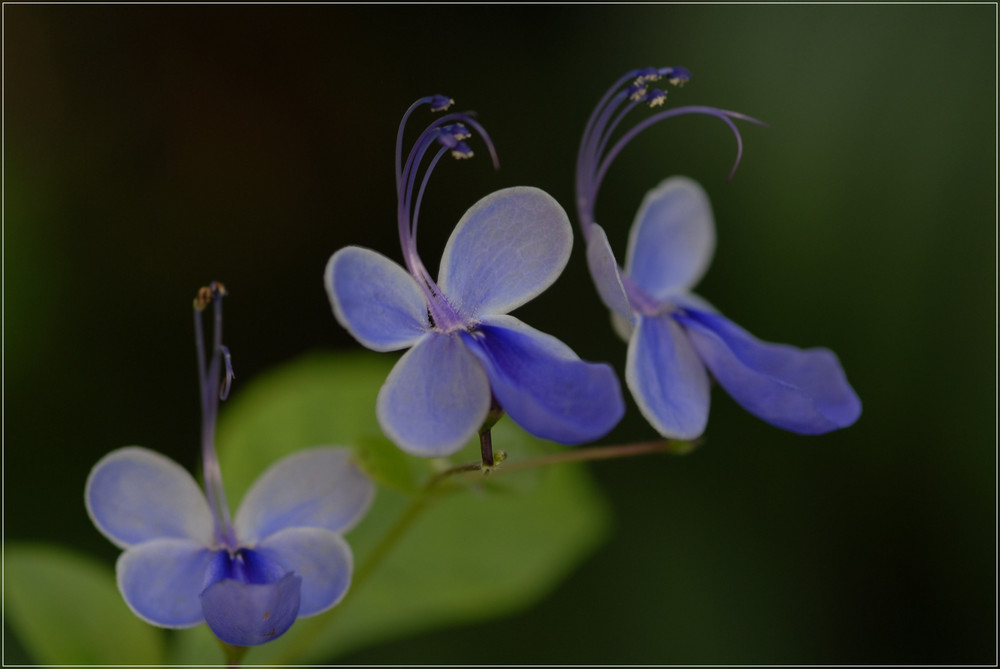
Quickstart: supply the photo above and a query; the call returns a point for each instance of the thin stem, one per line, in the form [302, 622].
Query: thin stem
[234, 654]
[312, 629]
[592, 454]
[486, 447]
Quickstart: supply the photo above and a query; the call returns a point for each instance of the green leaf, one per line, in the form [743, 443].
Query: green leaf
[478, 547]
[66, 609]
[387, 465]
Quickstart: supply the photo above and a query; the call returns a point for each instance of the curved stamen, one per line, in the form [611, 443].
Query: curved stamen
[588, 129]
[437, 103]
[591, 154]
[209, 378]
[680, 111]
[449, 131]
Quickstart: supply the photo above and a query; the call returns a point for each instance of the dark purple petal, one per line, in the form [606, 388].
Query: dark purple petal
[803, 391]
[321, 557]
[249, 614]
[543, 385]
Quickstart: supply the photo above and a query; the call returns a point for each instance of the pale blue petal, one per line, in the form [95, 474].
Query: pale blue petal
[803, 391]
[691, 301]
[320, 557]
[436, 397]
[375, 299]
[249, 614]
[672, 239]
[542, 385]
[319, 487]
[162, 579]
[606, 274]
[134, 494]
[667, 379]
[623, 327]
[508, 248]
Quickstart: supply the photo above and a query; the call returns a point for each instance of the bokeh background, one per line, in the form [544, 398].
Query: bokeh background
[150, 149]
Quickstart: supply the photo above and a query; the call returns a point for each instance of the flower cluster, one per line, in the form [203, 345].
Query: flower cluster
[185, 561]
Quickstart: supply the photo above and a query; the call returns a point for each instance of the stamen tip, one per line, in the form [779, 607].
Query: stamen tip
[647, 74]
[637, 91]
[676, 75]
[203, 298]
[462, 151]
[656, 97]
[440, 102]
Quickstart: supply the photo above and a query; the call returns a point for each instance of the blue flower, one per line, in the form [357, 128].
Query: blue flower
[673, 335]
[185, 562]
[466, 355]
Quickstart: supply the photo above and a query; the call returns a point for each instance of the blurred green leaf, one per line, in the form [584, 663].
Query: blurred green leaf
[481, 547]
[316, 400]
[66, 609]
[386, 464]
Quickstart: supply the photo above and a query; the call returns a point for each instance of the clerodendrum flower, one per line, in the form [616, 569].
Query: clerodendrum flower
[466, 354]
[673, 334]
[186, 562]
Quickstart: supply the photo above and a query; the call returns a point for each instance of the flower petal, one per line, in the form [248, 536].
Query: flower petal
[543, 385]
[134, 494]
[604, 270]
[667, 379]
[319, 487]
[436, 397]
[803, 391]
[508, 248]
[375, 299]
[161, 580]
[672, 239]
[320, 557]
[249, 614]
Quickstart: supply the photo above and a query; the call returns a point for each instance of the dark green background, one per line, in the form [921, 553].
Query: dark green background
[150, 149]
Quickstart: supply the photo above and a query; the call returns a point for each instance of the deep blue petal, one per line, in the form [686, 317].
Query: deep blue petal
[803, 391]
[543, 385]
[321, 557]
[249, 614]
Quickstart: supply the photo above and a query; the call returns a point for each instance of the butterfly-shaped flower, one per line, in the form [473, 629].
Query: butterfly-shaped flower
[673, 335]
[185, 562]
[466, 354]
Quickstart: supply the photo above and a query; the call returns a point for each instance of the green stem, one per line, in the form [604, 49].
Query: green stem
[315, 627]
[234, 654]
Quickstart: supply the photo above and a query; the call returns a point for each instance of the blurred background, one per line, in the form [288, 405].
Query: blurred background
[151, 149]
